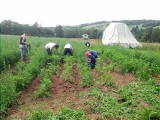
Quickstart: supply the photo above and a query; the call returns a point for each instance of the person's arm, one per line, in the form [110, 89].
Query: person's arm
[22, 41]
[71, 47]
[89, 60]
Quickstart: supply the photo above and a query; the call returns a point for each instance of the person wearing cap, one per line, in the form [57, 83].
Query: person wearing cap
[92, 59]
[49, 47]
[23, 45]
[87, 44]
[93, 52]
[68, 49]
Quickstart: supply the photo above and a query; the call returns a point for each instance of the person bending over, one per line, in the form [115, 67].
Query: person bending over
[93, 52]
[87, 44]
[68, 49]
[50, 46]
[92, 60]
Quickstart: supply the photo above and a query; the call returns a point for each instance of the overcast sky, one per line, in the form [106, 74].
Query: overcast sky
[75, 12]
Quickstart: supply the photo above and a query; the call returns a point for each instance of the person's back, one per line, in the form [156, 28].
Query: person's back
[68, 49]
[49, 47]
[94, 53]
[68, 46]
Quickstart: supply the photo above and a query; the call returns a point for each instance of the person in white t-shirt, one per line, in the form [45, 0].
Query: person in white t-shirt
[49, 47]
[68, 49]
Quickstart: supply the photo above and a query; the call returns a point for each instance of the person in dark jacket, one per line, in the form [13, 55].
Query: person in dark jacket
[87, 44]
[93, 52]
[92, 60]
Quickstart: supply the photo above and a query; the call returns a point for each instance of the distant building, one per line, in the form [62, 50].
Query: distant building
[85, 36]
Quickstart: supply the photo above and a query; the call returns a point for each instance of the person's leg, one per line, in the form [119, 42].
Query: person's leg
[92, 66]
[49, 51]
[25, 54]
[70, 51]
[22, 51]
[65, 51]
[25, 49]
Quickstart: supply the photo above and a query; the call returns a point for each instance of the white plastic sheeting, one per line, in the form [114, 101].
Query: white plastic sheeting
[118, 33]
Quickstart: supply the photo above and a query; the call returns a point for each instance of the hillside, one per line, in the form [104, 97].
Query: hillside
[101, 25]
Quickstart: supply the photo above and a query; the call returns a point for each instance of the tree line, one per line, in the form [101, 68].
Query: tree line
[148, 32]
[14, 28]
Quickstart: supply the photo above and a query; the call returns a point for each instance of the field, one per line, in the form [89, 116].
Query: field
[125, 83]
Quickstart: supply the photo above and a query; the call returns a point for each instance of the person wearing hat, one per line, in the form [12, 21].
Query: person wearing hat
[49, 47]
[92, 60]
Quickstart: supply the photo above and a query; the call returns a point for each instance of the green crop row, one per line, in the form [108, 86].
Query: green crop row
[144, 64]
[11, 84]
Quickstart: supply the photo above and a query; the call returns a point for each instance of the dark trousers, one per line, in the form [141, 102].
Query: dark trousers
[68, 50]
[49, 51]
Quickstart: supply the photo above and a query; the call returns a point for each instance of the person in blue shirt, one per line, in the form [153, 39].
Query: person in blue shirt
[93, 52]
[92, 60]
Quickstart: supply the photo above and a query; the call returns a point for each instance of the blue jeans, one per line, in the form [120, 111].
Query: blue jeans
[24, 50]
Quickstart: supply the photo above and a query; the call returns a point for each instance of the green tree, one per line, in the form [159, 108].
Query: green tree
[148, 34]
[58, 31]
[155, 36]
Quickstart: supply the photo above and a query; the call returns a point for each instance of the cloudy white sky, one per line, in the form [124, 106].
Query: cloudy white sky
[75, 12]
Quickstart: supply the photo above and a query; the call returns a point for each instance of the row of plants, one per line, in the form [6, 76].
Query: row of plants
[138, 62]
[10, 52]
[12, 84]
[64, 114]
[129, 102]
[68, 67]
[144, 65]
[46, 76]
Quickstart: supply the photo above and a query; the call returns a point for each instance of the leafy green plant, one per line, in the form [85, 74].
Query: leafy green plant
[70, 114]
[150, 114]
[41, 115]
[87, 77]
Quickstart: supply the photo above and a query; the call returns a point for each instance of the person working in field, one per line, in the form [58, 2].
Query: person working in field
[68, 49]
[49, 47]
[23, 45]
[93, 52]
[87, 44]
[91, 59]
